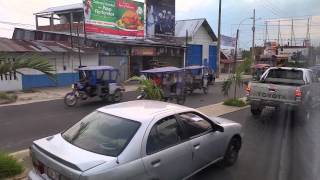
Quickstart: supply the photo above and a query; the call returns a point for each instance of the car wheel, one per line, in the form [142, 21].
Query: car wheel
[256, 111]
[232, 152]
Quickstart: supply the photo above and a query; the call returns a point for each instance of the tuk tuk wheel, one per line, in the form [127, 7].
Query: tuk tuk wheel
[117, 96]
[181, 100]
[70, 99]
[205, 90]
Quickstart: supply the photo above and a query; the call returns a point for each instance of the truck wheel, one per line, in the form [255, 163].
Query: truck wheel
[256, 111]
[232, 153]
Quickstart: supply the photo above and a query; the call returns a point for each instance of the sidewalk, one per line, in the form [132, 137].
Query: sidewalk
[210, 110]
[48, 94]
[224, 77]
[54, 93]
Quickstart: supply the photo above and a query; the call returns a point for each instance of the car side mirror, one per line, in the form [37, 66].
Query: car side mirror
[218, 128]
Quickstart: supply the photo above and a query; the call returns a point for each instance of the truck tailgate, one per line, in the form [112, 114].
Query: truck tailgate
[273, 92]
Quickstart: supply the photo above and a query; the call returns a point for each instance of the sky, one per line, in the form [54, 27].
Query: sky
[233, 12]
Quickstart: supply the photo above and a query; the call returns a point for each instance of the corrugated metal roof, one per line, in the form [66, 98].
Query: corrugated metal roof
[193, 25]
[61, 8]
[9, 45]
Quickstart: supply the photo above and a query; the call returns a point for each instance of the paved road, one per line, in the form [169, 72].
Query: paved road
[277, 146]
[20, 125]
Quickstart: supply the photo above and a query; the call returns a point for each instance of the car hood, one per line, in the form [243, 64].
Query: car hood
[62, 151]
[224, 122]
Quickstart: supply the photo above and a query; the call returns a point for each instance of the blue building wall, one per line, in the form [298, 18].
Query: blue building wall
[194, 55]
[213, 57]
[41, 80]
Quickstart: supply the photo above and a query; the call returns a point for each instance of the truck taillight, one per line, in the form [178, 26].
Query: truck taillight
[298, 93]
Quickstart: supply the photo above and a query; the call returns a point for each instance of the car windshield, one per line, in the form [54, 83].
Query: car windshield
[102, 133]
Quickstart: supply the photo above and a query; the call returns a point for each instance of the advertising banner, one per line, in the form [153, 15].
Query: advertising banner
[114, 17]
[228, 41]
[160, 17]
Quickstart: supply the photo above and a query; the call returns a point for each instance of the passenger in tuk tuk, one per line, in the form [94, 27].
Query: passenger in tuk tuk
[166, 85]
[157, 79]
[102, 82]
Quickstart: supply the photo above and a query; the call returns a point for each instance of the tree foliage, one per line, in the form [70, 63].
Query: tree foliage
[34, 61]
[153, 92]
[236, 79]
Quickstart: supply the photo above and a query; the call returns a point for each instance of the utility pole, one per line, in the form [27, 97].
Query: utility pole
[308, 31]
[278, 32]
[267, 35]
[79, 50]
[253, 35]
[291, 39]
[219, 40]
[186, 51]
[236, 52]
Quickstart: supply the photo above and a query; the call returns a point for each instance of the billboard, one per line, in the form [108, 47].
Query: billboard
[114, 17]
[160, 17]
[228, 41]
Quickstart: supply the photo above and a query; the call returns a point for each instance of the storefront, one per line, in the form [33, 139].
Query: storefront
[143, 58]
[116, 56]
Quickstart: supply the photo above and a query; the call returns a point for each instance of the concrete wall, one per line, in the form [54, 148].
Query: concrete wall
[11, 85]
[65, 65]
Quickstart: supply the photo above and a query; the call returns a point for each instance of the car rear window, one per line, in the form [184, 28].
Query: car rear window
[102, 133]
[284, 76]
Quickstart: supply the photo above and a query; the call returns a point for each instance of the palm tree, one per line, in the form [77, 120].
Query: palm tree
[152, 91]
[236, 79]
[33, 61]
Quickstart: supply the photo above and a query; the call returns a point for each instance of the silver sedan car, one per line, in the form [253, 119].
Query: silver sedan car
[137, 140]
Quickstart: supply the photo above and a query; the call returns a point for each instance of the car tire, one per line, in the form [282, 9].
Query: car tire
[256, 111]
[232, 152]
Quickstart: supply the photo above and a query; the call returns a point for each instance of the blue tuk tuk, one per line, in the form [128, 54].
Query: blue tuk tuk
[96, 81]
[197, 77]
[170, 80]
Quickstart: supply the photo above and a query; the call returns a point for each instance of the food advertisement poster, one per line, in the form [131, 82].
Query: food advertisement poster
[114, 17]
[160, 17]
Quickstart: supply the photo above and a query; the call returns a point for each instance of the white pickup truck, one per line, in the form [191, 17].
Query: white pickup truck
[297, 88]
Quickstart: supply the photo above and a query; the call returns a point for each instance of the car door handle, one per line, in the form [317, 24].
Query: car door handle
[156, 163]
[196, 146]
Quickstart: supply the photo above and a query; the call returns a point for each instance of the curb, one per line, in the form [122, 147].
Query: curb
[17, 103]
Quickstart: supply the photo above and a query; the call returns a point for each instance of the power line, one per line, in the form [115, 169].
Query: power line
[16, 24]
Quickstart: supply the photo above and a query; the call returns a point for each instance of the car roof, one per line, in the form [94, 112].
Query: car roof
[143, 111]
[290, 68]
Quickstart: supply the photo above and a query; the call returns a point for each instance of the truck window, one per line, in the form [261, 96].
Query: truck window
[285, 76]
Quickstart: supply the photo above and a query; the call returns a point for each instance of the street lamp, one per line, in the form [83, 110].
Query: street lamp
[237, 38]
[236, 48]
